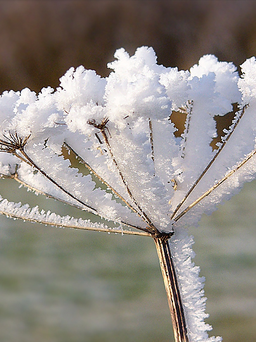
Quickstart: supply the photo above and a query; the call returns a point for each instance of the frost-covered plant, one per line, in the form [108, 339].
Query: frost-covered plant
[155, 180]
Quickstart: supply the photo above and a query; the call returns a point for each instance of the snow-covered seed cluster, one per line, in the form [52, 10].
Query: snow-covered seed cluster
[120, 127]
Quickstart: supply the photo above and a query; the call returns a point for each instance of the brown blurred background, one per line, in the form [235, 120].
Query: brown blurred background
[40, 40]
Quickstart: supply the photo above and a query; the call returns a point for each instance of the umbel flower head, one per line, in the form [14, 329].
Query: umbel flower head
[157, 178]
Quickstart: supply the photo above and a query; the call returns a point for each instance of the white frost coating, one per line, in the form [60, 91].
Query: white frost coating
[80, 87]
[134, 88]
[225, 77]
[177, 87]
[192, 296]
[24, 212]
[109, 146]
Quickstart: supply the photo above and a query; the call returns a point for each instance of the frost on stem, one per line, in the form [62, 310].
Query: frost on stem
[143, 170]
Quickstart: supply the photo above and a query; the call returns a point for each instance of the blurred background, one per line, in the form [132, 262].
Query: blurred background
[71, 286]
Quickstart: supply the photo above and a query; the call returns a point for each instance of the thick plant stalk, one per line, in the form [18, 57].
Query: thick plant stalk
[172, 289]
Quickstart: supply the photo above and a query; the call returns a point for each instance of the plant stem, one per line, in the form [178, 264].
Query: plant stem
[172, 289]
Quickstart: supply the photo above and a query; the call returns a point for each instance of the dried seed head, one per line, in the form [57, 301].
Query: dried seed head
[12, 142]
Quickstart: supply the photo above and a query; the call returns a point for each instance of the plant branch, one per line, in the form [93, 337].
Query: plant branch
[99, 177]
[64, 225]
[229, 174]
[151, 138]
[17, 179]
[172, 289]
[102, 127]
[14, 144]
[189, 108]
[26, 156]
[210, 163]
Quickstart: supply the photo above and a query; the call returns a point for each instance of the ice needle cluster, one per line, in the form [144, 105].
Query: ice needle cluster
[146, 134]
